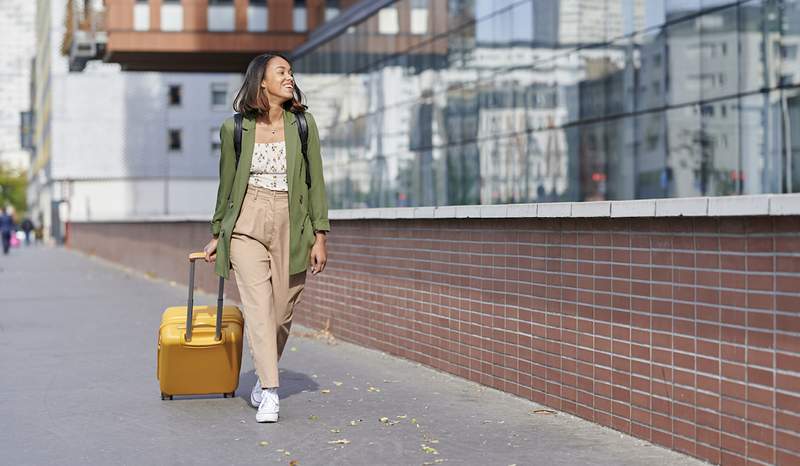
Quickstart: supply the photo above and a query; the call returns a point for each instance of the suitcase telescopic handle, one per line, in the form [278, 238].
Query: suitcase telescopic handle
[190, 306]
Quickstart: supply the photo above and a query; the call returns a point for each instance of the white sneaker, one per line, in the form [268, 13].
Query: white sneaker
[268, 409]
[255, 394]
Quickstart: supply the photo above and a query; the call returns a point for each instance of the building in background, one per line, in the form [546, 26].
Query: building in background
[484, 102]
[17, 41]
[115, 145]
[423, 102]
[206, 35]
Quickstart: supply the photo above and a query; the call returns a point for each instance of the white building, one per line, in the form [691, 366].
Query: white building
[17, 41]
[114, 145]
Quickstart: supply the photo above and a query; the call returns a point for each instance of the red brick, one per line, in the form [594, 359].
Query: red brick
[787, 421]
[684, 445]
[787, 264]
[787, 402]
[761, 452]
[734, 426]
[760, 434]
[787, 303]
[786, 440]
[733, 444]
[787, 362]
[662, 438]
[787, 283]
[788, 323]
[709, 454]
[785, 458]
[732, 459]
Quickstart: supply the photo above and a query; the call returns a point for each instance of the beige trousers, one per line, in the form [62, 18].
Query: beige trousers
[260, 260]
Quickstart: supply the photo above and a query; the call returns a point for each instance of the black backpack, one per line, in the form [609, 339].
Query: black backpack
[303, 128]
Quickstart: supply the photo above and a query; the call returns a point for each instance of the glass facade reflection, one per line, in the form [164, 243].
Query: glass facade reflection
[503, 101]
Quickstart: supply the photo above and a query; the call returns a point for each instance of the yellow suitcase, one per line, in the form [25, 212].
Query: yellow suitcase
[204, 357]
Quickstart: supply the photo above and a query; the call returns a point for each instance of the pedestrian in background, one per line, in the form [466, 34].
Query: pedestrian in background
[27, 226]
[269, 223]
[7, 228]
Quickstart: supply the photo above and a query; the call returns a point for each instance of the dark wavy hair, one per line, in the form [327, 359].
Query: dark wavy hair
[251, 100]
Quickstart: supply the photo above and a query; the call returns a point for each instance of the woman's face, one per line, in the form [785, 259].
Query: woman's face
[278, 80]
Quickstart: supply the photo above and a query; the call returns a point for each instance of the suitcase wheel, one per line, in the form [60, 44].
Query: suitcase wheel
[229, 395]
[164, 396]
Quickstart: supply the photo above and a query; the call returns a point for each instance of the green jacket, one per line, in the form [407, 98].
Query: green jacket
[308, 209]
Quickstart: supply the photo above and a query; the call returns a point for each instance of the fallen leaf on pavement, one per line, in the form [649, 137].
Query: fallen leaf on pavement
[336, 431]
[338, 384]
[263, 443]
[543, 411]
[313, 417]
[341, 441]
[428, 449]
[325, 391]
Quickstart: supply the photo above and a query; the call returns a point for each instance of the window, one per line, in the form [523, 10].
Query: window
[171, 15]
[257, 16]
[388, 21]
[419, 16]
[299, 16]
[221, 15]
[174, 95]
[219, 95]
[216, 144]
[331, 9]
[141, 16]
[174, 140]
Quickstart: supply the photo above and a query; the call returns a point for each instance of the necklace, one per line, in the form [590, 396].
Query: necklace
[273, 130]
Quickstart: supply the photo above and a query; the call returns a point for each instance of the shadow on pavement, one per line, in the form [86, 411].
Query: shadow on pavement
[291, 383]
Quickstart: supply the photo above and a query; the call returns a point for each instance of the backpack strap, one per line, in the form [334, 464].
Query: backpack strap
[237, 145]
[302, 126]
[237, 136]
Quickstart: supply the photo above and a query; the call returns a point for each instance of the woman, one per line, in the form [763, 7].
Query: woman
[268, 225]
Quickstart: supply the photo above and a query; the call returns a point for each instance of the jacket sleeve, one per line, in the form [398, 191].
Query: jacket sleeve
[227, 171]
[318, 200]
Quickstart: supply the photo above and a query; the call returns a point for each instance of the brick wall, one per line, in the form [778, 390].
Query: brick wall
[684, 332]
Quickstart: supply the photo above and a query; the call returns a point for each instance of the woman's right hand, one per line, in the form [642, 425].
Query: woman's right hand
[211, 250]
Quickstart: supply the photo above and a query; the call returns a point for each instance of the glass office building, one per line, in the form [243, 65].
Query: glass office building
[451, 102]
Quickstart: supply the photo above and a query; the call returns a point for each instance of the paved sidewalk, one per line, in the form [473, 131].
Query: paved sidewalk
[78, 386]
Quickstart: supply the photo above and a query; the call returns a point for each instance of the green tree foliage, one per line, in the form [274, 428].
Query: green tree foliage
[13, 188]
